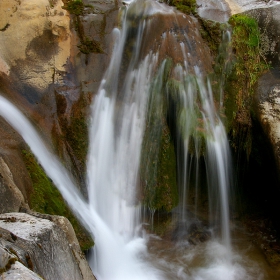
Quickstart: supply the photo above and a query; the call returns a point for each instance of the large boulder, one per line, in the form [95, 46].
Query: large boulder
[268, 89]
[48, 248]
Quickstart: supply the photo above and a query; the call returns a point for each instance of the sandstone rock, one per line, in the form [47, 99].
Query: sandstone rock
[36, 40]
[43, 247]
[40, 59]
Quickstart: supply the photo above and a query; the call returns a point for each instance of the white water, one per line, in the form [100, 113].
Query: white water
[113, 213]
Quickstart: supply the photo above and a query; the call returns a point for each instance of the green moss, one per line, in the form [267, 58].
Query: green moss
[74, 7]
[211, 33]
[189, 120]
[77, 9]
[46, 199]
[185, 6]
[166, 193]
[90, 46]
[240, 86]
[71, 132]
[76, 136]
[158, 162]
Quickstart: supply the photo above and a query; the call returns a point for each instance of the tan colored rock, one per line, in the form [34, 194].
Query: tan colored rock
[35, 36]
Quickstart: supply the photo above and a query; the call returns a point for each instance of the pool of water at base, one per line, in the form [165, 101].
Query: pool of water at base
[210, 260]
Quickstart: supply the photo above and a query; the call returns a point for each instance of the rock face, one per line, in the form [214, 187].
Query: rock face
[49, 248]
[11, 197]
[19, 270]
[268, 90]
[269, 108]
[47, 75]
[44, 73]
[221, 10]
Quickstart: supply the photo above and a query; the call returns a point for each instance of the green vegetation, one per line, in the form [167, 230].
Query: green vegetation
[72, 132]
[89, 46]
[211, 32]
[158, 162]
[185, 6]
[240, 85]
[46, 199]
[77, 9]
[166, 193]
[74, 7]
[189, 120]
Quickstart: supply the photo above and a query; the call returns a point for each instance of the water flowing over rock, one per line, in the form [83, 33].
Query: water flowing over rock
[157, 144]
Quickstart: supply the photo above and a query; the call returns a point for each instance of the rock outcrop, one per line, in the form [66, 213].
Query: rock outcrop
[46, 74]
[268, 90]
[48, 248]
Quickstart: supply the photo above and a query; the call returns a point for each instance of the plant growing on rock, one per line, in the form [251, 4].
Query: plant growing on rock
[185, 6]
[240, 86]
[46, 199]
[77, 9]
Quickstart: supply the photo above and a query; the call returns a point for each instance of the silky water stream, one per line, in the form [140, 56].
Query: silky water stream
[137, 76]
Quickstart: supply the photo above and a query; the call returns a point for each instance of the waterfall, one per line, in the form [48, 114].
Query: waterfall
[119, 115]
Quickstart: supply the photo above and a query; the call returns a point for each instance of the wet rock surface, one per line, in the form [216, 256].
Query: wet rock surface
[265, 237]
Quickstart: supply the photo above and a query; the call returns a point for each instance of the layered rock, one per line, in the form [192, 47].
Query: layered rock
[49, 248]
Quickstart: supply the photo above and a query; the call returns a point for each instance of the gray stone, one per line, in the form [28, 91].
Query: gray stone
[269, 23]
[268, 90]
[4, 258]
[44, 247]
[19, 272]
[268, 107]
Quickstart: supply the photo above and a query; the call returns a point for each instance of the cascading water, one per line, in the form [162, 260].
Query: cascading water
[119, 116]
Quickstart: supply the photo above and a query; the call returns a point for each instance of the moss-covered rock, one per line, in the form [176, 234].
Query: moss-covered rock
[185, 6]
[240, 85]
[158, 162]
[46, 199]
[77, 9]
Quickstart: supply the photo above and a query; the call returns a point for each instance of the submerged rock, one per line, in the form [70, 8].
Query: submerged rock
[49, 248]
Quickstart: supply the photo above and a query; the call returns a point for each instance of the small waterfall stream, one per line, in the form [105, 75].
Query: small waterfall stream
[113, 212]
